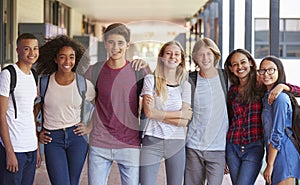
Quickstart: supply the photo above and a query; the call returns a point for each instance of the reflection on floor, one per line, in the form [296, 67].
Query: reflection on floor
[41, 177]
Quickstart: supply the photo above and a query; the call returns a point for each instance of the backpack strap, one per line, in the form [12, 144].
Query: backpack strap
[224, 80]
[139, 83]
[82, 88]
[35, 75]
[13, 82]
[193, 81]
[44, 81]
[95, 73]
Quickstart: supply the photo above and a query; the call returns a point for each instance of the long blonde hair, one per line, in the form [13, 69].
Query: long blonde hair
[160, 80]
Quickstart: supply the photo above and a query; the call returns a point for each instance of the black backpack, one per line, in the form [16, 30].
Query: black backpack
[13, 82]
[294, 131]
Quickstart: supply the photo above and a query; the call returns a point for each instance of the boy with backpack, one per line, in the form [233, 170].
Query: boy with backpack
[115, 134]
[18, 149]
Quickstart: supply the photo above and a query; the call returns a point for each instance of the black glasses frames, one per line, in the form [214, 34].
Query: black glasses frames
[269, 71]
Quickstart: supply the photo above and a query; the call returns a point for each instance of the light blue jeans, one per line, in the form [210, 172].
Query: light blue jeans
[101, 159]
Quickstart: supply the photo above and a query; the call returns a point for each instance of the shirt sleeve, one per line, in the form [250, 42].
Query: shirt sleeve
[280, 112]
[294, 89]
[186, 92]
[91, 93]
[4, 83]
[148, 86]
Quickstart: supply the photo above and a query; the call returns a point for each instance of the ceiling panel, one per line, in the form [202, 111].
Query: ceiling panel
[136, 10]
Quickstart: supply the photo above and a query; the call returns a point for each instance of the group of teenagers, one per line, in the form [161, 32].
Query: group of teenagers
[202, 124]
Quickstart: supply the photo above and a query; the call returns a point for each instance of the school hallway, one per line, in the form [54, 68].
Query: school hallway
[41, 177]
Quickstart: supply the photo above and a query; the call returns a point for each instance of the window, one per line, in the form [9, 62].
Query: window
[57, 13]
[289, 40]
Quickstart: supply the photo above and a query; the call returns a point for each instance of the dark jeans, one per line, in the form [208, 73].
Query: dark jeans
[244, 162]
[26, 164]
[65, 156]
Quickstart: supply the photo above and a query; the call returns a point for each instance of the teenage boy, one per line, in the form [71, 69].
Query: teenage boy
[115, 134]
[18, 148]
[206, 137]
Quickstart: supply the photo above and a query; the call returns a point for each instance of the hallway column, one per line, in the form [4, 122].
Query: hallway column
[274, 28]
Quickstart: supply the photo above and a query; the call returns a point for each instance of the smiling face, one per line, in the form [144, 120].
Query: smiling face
[268, 73]
[240, 65]
[28, 51]
[116, 46]
[205, 58]
[65, 59]
[171, 56]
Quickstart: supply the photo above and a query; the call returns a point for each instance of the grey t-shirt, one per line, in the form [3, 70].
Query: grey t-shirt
[209, 125]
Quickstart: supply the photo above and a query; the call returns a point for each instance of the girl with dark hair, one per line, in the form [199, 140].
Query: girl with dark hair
[62, 132]
[283, 160]
[245, 146]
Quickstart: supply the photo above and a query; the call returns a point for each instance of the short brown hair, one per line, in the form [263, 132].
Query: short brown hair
[119, 29]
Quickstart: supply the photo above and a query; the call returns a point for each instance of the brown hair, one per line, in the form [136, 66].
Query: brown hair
[253, 92]
[119, 29]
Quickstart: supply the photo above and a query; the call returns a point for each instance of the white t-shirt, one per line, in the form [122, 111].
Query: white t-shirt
[176, 95]
[62, 104]
[22, 131]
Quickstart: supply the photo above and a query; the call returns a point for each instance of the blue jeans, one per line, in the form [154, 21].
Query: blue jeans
[65, 156]
[101, 159]
[244, 162]
[26, 164]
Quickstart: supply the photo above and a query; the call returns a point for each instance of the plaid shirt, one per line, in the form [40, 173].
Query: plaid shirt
[245, 124]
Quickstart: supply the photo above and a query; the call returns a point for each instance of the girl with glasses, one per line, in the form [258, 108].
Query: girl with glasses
[283, 160]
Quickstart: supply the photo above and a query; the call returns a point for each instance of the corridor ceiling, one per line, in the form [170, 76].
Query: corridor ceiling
[175, 11]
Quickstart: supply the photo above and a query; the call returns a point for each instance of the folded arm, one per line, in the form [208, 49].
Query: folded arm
[177, 118]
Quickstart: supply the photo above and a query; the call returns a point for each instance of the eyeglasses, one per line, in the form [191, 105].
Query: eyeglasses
[269, 71]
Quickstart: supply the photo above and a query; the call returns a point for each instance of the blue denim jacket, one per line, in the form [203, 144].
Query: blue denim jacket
[275, 118]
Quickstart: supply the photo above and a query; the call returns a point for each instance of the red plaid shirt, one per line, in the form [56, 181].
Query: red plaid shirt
[245, 124]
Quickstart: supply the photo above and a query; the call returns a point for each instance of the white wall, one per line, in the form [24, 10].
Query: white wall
[226, 26]
[76, 23]
[239, 27]
[29, 11]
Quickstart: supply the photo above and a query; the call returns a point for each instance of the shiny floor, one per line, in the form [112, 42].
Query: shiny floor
[41, 177]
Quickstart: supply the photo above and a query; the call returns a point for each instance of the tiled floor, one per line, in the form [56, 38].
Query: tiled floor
[114, 178]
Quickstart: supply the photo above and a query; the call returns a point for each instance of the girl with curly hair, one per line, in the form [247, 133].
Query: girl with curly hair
[62, 133]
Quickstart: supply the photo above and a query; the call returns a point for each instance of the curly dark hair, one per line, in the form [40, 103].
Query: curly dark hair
[45, 63]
